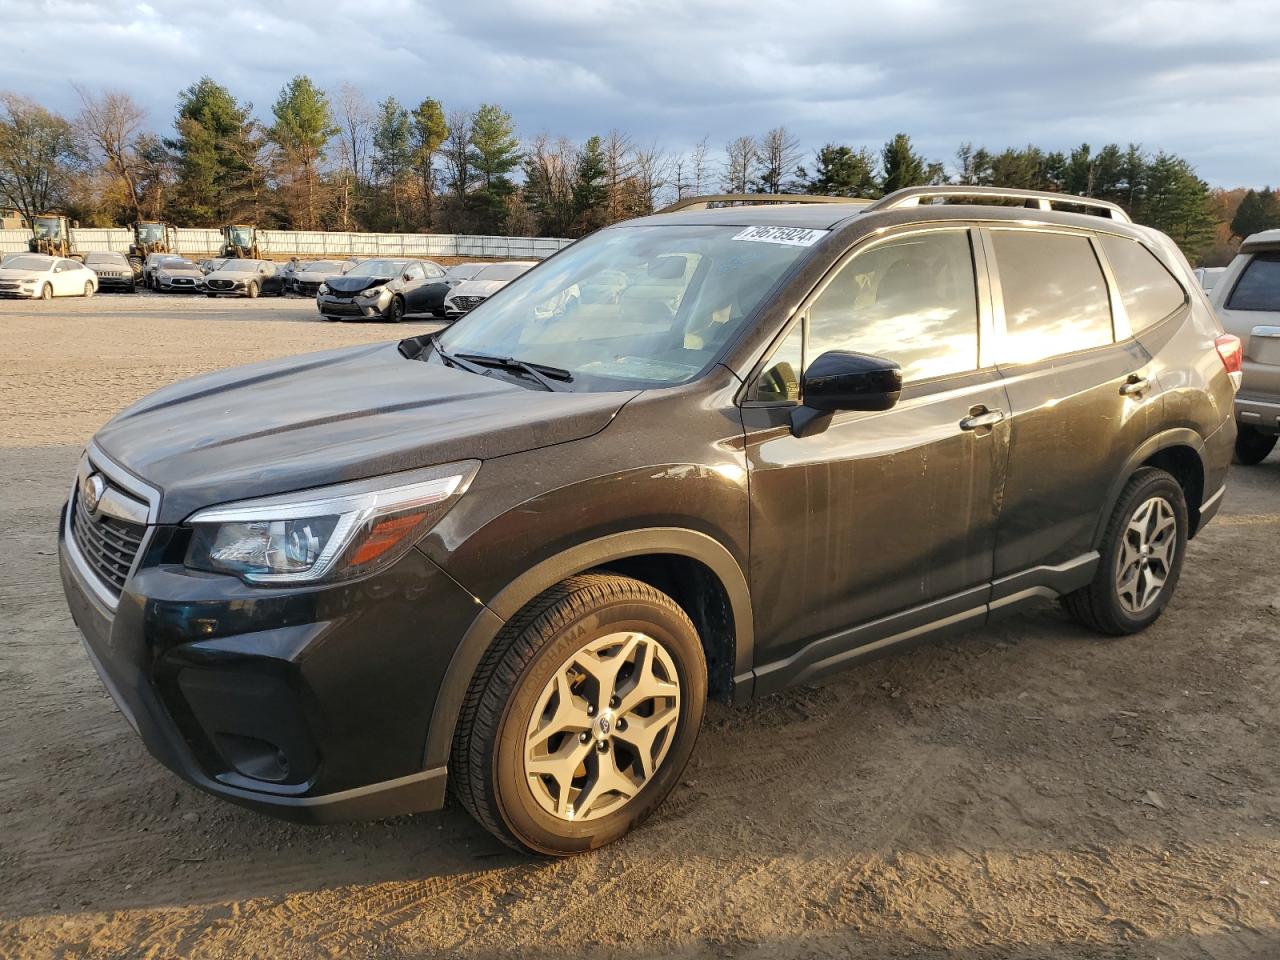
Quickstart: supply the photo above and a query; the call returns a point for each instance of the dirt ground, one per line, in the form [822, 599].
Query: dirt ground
[1026, 791]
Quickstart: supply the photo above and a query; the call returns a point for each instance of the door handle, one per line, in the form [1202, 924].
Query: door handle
[1135, 386]
[980, 417]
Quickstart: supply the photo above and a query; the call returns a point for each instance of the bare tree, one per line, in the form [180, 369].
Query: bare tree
[38, 156]
[619, 168]
[778, 153]
[652, 172]
[740, 160]
[355, 123]
[699, 174]
[109, 127]
[459, 174]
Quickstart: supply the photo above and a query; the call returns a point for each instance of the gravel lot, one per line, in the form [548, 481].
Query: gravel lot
[1026, 791]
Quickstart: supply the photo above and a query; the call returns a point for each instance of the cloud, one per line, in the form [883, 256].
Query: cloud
[1190, 77]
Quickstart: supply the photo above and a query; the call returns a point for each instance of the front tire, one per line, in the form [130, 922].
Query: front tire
[1142, 552]
[88, 289]
[46, 292]
[251, 291]
[581, 717]
[395, 312]
[1252, 445]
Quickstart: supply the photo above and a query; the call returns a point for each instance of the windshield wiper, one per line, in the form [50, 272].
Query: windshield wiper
[544, 374]
[453, 361]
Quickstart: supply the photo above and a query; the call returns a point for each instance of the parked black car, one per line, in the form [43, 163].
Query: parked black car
[521, 554]
[385, 289]
[114, 271]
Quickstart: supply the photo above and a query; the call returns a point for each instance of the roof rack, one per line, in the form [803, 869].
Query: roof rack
[1035, 199]
[756, 199]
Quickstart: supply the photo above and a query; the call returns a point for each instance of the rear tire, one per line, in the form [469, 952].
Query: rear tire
[1252, 445]
[1142, 552]
[578, 678]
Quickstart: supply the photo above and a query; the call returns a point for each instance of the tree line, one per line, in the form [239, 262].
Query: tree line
[338, 161]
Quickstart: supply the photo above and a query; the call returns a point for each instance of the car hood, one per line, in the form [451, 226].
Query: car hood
[231, 275]
[324, 418]
[184, 272]
[342, 284]
[478, 288]
[8, 273]
[313, 276]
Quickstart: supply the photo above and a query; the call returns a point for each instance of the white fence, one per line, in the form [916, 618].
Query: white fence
[286, 243]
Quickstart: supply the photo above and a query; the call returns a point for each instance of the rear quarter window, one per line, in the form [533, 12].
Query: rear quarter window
[1055, 296]
[1149, 292]
[1259, 285]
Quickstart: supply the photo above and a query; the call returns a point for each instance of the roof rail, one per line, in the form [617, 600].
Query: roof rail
[1035, 199]
[756, 199]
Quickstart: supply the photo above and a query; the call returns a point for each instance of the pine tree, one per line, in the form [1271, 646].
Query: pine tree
[219, 156]
[903, 167]
[1178, 203]
[429, 131]
[303, 126]
[1258, 211]
[392, 152]
[495, 153]
[841, 171]
[590, 189]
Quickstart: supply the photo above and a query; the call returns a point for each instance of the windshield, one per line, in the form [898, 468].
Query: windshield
[45, 227]
[466, 270]
[242, 266]
[112, 259]
[630, 307]
[241, 237]
[377, 268]
[320, 266]
[39, 264]
[178, 265]
[150, 232]
[501, 271]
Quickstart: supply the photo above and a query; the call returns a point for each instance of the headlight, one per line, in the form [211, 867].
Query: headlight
[323, 289]
[373, 293]
[328, 534]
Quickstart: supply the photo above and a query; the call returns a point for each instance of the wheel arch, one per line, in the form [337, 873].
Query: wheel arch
[696, 570]
[1178, 451]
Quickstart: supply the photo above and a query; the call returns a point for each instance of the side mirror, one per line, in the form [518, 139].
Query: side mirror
[841, 380]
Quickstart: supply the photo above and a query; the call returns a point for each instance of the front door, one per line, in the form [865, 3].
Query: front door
[883, 522]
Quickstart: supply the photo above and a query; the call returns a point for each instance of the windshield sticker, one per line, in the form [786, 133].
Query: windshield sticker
[791, 236]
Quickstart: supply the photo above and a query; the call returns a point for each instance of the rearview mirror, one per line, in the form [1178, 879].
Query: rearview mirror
[842, 380]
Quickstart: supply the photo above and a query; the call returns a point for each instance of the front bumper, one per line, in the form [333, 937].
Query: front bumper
[173, 286]
[333, 306]
[310, 704]
[115, 283]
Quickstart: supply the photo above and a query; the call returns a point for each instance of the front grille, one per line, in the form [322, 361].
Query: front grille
[9, 284]
[218, 284]
[342, 308]
[182, 281]
[307, 287]
[109, 545]
[467, 303]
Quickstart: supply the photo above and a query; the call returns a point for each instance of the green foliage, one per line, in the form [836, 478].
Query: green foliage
[903, 167]
[841, 171]
[427, 135]
[1258, 211]
[1177, 202]
[218, 152]
[590, 189]
[494, 154]
[392, 159]
[304, 122]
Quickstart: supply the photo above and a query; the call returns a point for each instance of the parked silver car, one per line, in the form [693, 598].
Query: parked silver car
[177, 276]
[1247, 300]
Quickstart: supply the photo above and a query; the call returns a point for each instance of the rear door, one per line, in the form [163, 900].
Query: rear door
[67, 279]
[884, 521]
[1081, 391]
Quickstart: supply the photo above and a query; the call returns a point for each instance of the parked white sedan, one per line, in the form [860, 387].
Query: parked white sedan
[43, 277]
[484, 283]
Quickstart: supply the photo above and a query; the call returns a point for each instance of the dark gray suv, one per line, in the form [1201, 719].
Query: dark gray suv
[705, 453]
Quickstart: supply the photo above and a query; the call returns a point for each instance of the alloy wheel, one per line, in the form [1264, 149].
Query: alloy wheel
[602, 726]
[1145, 558]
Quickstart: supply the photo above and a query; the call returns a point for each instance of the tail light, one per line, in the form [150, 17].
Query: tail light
[1232, 353]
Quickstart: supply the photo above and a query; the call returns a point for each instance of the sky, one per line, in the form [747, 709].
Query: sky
[1195, 78]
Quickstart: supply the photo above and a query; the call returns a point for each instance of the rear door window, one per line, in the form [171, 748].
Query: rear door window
[1055, 296]
[912, 300]
[1148, 290]
[1259, 286]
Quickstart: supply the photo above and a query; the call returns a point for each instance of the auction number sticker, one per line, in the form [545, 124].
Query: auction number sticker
[791, 236]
